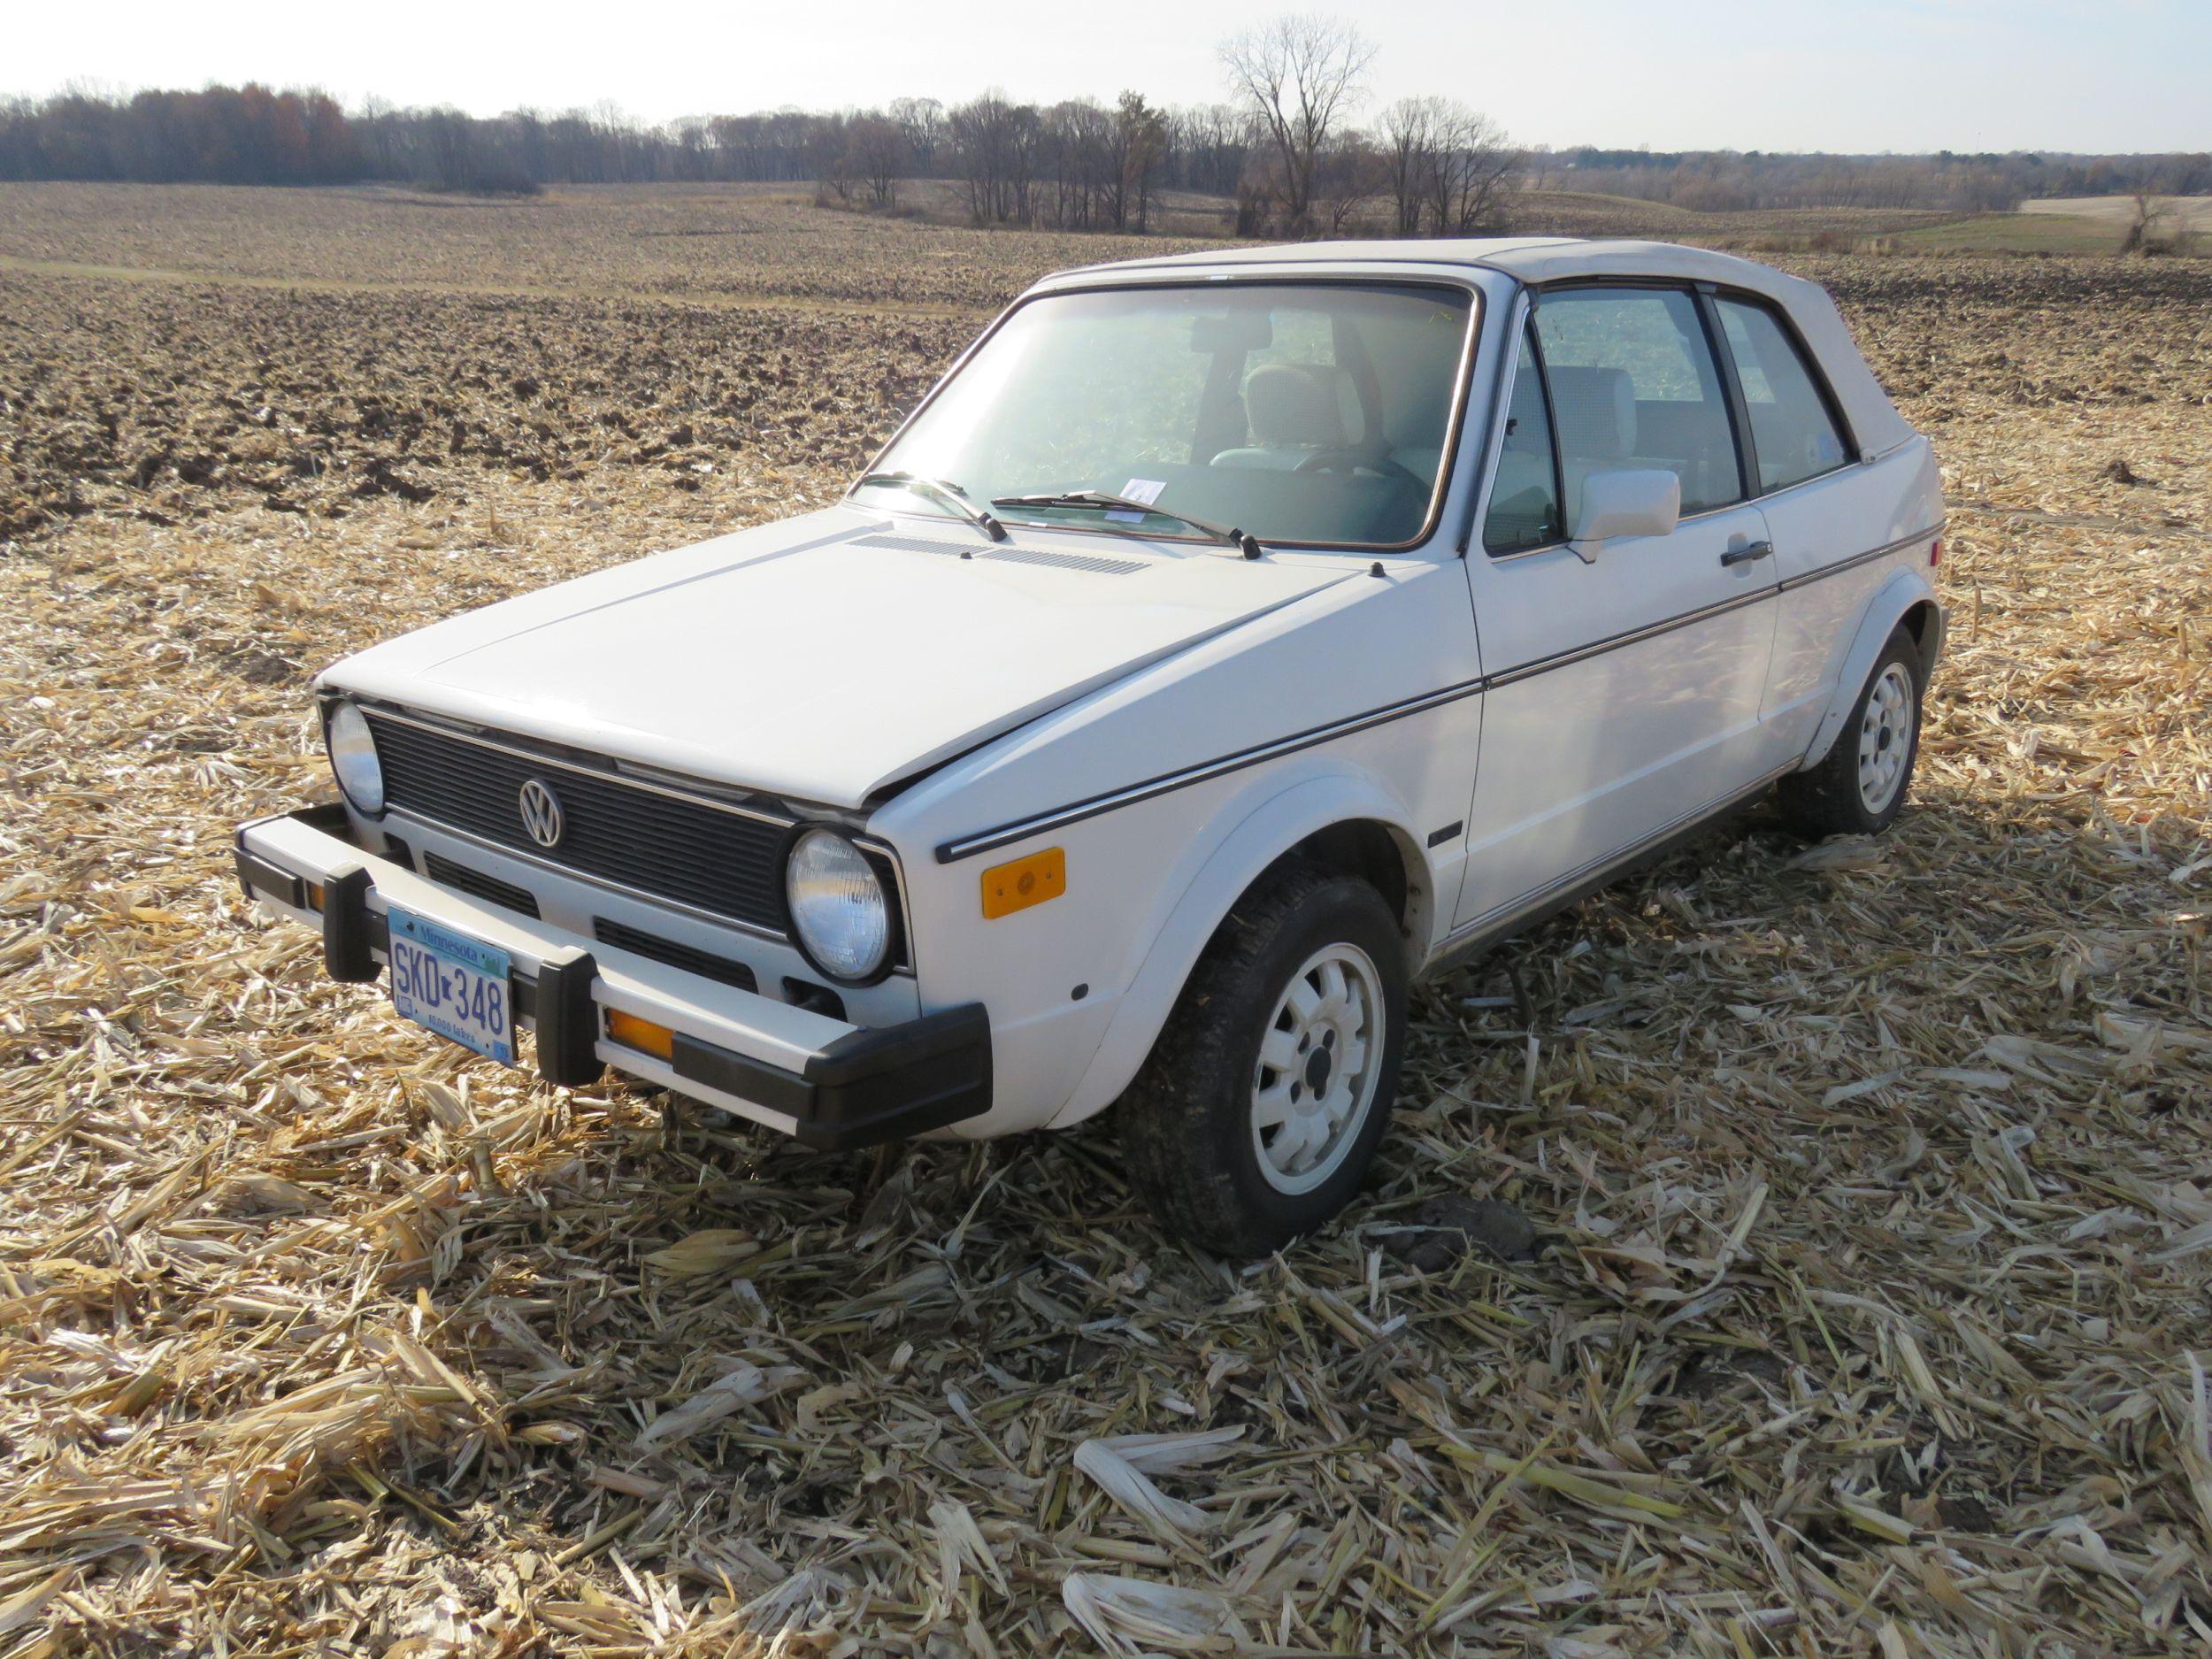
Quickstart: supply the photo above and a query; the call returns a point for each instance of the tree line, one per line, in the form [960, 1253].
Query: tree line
[1719, 182]
[1286, 148]
[222, 135]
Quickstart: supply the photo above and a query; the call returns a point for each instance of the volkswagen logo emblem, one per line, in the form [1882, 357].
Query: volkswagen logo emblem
[542, 812]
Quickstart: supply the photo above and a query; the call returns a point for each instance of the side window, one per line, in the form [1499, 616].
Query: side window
[1633, 385]
[1791, 431]
[1525, 496]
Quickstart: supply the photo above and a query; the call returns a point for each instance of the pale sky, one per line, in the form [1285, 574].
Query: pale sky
[1672, 74]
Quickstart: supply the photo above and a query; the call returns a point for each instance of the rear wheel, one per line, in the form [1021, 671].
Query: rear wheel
[1859, 787]
[1261, 1106]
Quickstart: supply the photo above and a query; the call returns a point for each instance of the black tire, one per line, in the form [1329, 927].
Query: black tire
[1828, 799]
[1187, 1134]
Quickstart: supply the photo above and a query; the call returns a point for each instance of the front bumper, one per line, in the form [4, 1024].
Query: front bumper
[832, 1085]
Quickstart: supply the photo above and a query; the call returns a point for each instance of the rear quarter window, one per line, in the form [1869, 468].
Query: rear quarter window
[1792, 432]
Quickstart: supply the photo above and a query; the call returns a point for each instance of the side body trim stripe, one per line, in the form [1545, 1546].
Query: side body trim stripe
[1857, 559]
[1076, 811]
[1599, 648]
[1091, 806]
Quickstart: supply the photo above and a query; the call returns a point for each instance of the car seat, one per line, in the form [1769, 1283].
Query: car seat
[1295, 410]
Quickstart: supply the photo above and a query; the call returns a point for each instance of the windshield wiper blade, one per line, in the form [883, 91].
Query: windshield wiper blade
[1228, 535]
[951, 495]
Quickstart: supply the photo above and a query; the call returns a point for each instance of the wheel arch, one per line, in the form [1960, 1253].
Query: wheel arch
[1380, 853]
[1340, 822]
[1923, 620]
[1905, 599]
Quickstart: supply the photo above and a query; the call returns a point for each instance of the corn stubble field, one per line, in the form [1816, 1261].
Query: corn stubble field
[1863, 1301]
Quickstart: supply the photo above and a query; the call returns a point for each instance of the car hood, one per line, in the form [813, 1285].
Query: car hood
[828, 658]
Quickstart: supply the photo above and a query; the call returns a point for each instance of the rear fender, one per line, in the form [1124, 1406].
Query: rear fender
[1270, 827]
[1892, 601]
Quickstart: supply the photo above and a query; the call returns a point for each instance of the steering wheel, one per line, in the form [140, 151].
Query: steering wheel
[1351, 460]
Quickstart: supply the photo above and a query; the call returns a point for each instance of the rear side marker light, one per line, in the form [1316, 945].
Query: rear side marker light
[1935, 552]
[1026, 881]
[641, 1034]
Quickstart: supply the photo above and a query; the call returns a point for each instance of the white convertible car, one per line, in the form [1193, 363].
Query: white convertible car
[1227, 640]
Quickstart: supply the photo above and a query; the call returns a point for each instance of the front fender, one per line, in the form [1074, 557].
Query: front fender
[1200, 893]
[1883, 611]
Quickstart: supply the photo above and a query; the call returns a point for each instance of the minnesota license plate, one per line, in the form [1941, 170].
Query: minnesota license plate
[457, 987]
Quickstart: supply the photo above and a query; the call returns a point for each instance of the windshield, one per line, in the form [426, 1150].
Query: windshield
[1301, 413]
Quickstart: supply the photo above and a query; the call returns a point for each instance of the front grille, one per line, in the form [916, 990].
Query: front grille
[670, 846]
[702, 963]
[506, 894]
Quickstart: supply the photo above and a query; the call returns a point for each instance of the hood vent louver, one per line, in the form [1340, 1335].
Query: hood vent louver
[1093, 563]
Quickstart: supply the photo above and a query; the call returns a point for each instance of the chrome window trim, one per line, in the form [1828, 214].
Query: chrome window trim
[1525, 303]
[1693, 290]
[1815, 374]
[1515, 310]
[1440, 493]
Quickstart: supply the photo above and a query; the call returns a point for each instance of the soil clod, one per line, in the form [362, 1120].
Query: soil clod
[1446, 1227]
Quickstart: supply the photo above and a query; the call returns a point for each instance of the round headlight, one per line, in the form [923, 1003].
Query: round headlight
[353, 757]
[837, 904]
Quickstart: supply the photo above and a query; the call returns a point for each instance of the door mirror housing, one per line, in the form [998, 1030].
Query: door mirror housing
[1632, 501]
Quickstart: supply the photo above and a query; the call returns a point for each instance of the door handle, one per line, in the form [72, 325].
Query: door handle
[1745, 555]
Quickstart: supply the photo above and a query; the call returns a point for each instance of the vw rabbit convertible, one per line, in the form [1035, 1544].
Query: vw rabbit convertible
[1227, 640]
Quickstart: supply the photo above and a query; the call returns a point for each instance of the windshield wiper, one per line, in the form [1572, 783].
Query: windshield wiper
[1226, 534]
[951, 495]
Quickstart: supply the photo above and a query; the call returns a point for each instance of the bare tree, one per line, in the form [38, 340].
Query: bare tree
[1407, 130]
[1476, 167]
[1208, 145]
[1448, 168]
[1140, 144]
[996, 144]
[1301, 75]
[452, 141]
[830, 159]
[1076, 153]
[693, 139]
[2148, 230]
[876, 152]
[374, 124]
[1347, 174]
[923, 121]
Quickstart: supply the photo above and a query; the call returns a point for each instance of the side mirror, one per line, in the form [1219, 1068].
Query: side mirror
[1631, 502]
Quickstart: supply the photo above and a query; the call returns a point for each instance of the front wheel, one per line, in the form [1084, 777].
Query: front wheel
[1858, 789]
[1257, 1114]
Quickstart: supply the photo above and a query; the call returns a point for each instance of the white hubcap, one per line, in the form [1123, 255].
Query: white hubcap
[1316, 1079]
[1885, 738]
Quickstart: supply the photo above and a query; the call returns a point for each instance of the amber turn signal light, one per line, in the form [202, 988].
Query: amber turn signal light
[641, 1034]
[1024, 882]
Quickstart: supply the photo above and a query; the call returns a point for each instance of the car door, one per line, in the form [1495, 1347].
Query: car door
[1825, 513]
[1622, 692]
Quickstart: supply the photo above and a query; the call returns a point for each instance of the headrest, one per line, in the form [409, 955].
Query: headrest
[1595, 409]
[1288, 405]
